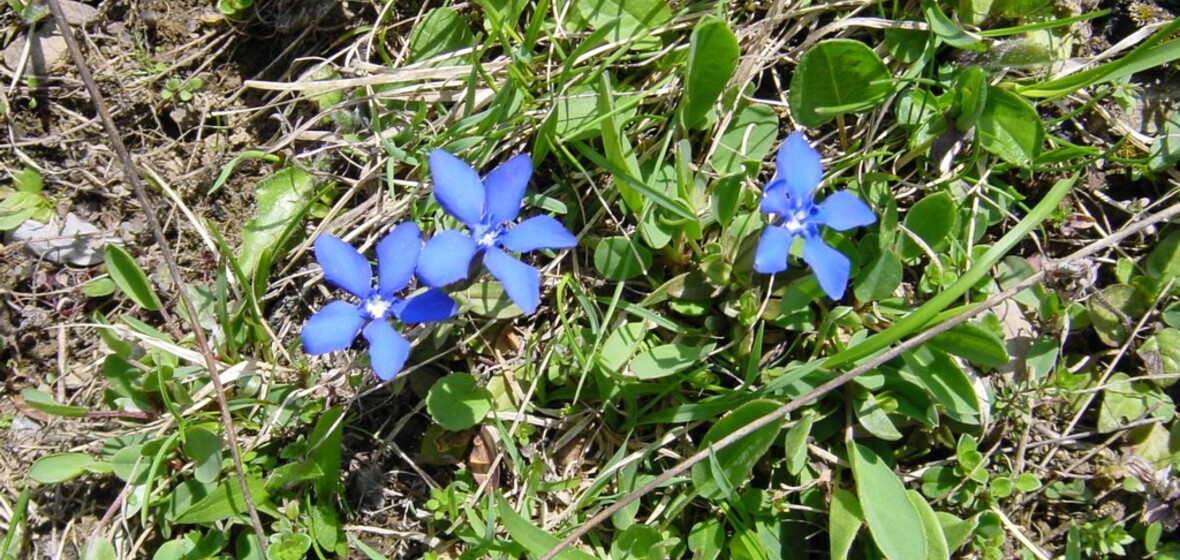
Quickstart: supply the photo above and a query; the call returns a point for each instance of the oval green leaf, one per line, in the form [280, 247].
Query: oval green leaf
[60, 467]
[1010, 127]
[731, 467]
[974, 343]
[837, 76]
[620, 258]
[129, 277]
[931, 219]
[45, 403]
[204, 448]
[893, 522]
[712, 58]
[667, 359]
[457, 402]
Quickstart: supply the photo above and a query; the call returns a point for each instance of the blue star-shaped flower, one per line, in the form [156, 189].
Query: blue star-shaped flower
[488, 208]
[336, 325]
[789, 200]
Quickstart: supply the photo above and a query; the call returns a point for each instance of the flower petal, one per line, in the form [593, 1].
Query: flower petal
[457, 187]
[397, 256]
[504, 188]
[521, 282]
[831, 266]
[332, 328]
[427, 307]
[799, 166]
[538, 232]
[388, 349]
[343, 266]
[446, 259]
[771, 255]
[843, 210]
[775, 199]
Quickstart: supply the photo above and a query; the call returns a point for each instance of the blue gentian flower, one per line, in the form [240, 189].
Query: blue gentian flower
[789, 200]
[336, 325]
[488, 209]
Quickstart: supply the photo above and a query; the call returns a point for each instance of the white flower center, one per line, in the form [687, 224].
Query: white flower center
[795, 222]
[487, 239]
[376, 307]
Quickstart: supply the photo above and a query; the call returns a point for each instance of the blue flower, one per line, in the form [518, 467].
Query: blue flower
[336, 325]
[488, 208]
[789, 200]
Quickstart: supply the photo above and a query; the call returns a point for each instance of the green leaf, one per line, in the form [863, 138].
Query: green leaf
[1124, 400]
[28, 180]
[457, 402]
[879, 278]
[844, 521]
[225, 502]
[326, 446]
[99, 287]
[639, 542]
[973, 342]
[932, 219]
[60, 467]
[835, 77]
[946, 382]
[734, 463]
[957, 531]
[98, 548]
[749, 139]
[970, 90]
[635, 18]
[874, 418]
[712, 59]
[706, 539]
[620, 258]
[441, 30]
[1010, 127]
[893, 522]
[205, 449]
[533, 539]
[796, 444]
[1165, 150]
[1163, 263]
[45, 403]
[668, 359]
[282, 200]
[620, 346]
[488, 299]
[1112, 309]
[1028, 482]
[936, 545]
[1161, 356]
[129, 277]
[948, 31]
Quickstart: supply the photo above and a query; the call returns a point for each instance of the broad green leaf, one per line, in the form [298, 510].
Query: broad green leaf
[874, 418]
[487, 299]
[28, 180]
[282, 200]
[624, 165]
[948, 31]
[129, 277]
[835, 77]
[1114, 310]
[879, 278]
[936, 546]
[947, 383]
[620, 346]
[457, 402]
[712, 58]
[639, 542]
[973, 342]
[796, 444]
[970, 97]
[326, 445]
[60, 467]
[974, 12]
[621, 259]
[844, 520]
[893, 522]
[957, 531]
[734, 463]
[1124, 400]
[1165, 150]
[1010, 127]
[533, 539]
[228, 169]
[225, 502]
[99, 287]
[205, 449]
[1161, 356]
[1028, 482]
[1163, 263]
[575, 114]
[749, 139]
[632, 18]
[668, 359]
[45, 402]
[441, 30]
[706, 539]
[99, 548]
[932, 219]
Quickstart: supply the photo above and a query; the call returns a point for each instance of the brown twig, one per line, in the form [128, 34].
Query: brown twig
[871, 364]
[165, 249]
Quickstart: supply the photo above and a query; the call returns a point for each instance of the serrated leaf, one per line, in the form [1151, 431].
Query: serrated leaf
[712, 58]
[893, 522]
[130, 277]
[837, 76]
[734, 463]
